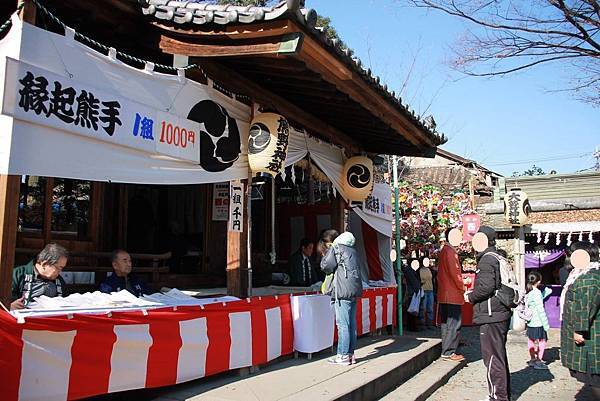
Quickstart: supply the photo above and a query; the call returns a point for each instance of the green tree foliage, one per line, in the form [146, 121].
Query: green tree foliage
[534, 170]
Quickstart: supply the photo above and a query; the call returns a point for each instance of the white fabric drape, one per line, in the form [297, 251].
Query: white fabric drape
[330, 159]
[35, 149]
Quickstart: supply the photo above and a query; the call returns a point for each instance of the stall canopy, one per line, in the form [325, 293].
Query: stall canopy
[69, 111]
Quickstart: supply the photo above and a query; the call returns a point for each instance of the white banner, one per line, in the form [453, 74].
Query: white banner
[42, 97]
[236, 208]
[379, 203]
[220, 207]
[69, 111]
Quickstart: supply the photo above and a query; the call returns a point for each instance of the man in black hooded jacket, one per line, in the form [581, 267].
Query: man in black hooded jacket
[493, 319]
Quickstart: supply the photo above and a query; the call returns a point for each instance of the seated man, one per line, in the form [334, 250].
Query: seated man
[302, 271]
[39, 277]
[121, 279]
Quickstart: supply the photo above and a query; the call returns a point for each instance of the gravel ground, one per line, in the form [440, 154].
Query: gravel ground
[527, 383]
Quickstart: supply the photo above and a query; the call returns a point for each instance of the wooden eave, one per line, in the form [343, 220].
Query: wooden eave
[306, 77]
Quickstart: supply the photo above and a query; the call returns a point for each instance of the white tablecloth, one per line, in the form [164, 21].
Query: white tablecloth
[313, 318]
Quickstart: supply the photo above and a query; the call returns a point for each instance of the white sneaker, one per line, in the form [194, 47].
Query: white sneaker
[339, 360]
[352, 359]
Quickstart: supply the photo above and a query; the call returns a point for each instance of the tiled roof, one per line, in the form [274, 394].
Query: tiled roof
[447, 177]
[202, 13]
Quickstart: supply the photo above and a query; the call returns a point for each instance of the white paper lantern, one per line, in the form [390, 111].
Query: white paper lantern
[268, 143]
[357, 178]
[516, 207]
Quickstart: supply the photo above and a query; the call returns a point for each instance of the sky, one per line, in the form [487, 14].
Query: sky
[505, 123]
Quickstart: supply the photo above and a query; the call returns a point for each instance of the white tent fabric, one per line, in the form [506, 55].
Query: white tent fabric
[373, 249]
[330, 159]
[27, 148]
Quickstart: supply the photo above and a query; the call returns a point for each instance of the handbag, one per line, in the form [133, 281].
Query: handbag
[327, 286]
[415, 303]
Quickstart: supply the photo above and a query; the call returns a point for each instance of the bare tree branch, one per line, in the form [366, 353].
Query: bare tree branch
[514, 35]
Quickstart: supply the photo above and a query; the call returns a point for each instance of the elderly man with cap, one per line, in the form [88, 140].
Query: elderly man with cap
[492, 317]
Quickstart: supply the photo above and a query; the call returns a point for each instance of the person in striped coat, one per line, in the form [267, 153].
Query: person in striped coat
[580, 330]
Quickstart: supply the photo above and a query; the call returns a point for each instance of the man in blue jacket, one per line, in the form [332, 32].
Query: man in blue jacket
[121, 279]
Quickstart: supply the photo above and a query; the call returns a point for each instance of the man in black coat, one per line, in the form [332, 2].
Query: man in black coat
[302, 270]
[492, 317]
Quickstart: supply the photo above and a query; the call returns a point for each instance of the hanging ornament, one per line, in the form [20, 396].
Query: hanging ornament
[547, 238]
[294, 175]
[334, 192]
[591, 238]
[539, 237]
[357, 178]
[569, 240]
[557, 239]
[268, 143]
[284, 174]
[581, 236]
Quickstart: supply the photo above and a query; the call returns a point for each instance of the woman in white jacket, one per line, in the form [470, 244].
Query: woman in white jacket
[538, 326]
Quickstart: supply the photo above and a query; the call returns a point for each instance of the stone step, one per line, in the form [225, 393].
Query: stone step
[383, 363]
[421, 386]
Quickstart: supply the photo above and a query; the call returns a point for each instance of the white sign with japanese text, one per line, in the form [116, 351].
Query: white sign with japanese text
[41, 97]
[220, 205]
[236, 207]
[379, 203]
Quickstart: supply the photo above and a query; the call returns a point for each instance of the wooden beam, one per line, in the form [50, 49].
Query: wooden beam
[9, 210]
[281, 45]
[264, 97]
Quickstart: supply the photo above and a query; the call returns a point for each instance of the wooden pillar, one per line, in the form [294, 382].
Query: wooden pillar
[237, 255]
[338, 213]
[9, 203]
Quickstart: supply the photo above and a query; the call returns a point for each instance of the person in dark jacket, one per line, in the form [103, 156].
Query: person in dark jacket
[301, 268]
[412, 286]
[340, 258]
[122, 279]
[492, 317]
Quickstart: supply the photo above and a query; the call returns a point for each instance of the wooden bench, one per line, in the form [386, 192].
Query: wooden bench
[100, 262]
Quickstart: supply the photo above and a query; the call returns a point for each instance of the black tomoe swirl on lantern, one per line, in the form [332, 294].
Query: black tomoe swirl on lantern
[259, 138]
[358, 176]
[220, 142]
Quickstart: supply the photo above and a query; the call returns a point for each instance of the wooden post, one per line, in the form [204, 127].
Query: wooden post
[338, 213]
[519, 266]
[9, 204]
[237, 257]
[9, 207]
